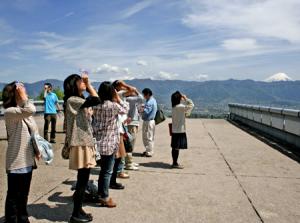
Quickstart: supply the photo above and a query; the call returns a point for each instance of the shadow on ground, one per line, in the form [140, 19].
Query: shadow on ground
[159, 165]
[60, 211]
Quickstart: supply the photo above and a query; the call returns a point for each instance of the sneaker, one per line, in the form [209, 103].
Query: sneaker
[123, 175]
[117, 186]
[136, 164]
[131, 167]
[146, 154]
[177, 166]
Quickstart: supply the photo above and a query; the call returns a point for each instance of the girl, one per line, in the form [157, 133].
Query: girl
[79, 137]
[20, 159]
[181, 107]
[108, 137]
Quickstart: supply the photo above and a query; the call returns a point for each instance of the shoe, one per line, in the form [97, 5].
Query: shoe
[136, 164]
[117, 186]
[123, 175]
[107, 203]
[177, 166]
[80, 218]
[146, 154]
[131, 167]
[52, 141]
[88, 215]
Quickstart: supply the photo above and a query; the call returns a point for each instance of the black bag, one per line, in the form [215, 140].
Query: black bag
[159, 116]
[127, 139]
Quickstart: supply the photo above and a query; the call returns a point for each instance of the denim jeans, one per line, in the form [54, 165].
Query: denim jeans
[17, 197]
[107, 163]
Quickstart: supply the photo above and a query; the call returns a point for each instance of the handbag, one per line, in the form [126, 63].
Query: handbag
[40, 145]
[159, 116]
[65, 151]
[127, 139]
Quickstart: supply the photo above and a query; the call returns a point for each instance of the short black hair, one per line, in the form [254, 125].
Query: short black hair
[176, 98]
[48, 84]
[106, 91]
[9, 95]
[147, 91]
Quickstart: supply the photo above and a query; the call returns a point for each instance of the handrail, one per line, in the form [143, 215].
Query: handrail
[287, 120]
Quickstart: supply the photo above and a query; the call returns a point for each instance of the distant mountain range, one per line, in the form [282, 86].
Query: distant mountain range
[210, 96]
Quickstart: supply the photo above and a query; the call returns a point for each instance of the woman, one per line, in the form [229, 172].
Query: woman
[181, 107]
[20, 158]
[79, 137]
[108, 137]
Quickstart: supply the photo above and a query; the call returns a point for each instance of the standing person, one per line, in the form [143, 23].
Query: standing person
[79, 137]
[181, 107]
[135, 101]
[51, 107]
[148, 115]
[107, 134]
[20, 160]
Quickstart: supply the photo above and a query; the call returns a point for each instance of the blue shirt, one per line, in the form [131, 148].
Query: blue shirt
[50, 103]
[150, 109]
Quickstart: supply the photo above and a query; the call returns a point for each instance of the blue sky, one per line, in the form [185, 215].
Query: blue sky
[161, 39]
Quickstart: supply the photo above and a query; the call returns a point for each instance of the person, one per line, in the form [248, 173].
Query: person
[106, 132]
[123, 90]
[181, 107]
[20, 155]
[148, 115]
[79, 137]
[135, 101]
[50, 111]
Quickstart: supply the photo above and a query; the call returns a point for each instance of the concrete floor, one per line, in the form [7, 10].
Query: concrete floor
[229, 176]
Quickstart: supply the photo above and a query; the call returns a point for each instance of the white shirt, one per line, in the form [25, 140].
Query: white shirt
[179, 112]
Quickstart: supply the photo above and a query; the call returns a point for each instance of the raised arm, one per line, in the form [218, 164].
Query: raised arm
[189, 106]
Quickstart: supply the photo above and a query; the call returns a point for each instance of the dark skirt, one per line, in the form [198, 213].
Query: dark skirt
[179, 141]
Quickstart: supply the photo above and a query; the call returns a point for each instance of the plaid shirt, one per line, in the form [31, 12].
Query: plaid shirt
[105, 126]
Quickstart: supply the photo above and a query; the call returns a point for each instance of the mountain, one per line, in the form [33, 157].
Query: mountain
[210, 96]
[278, 77]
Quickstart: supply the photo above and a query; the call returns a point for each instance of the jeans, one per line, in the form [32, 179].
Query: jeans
[17, 197]
[82, 181]
[50, 118]
[107, 163]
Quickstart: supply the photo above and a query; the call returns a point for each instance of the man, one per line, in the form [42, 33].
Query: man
[148, 115]
[135, 100]
[51, 106]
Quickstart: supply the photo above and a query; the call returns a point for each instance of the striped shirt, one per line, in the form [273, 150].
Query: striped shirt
[19, 153]
[106, 127]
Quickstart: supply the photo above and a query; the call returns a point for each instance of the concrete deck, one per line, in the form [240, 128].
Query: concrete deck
[230, 176]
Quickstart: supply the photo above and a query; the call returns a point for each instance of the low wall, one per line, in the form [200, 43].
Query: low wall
[282, 124]
[38, 104]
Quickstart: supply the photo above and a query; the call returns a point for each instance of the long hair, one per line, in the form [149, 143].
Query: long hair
[106, 91]
[176, 98]
[70, 87]
[9, 95]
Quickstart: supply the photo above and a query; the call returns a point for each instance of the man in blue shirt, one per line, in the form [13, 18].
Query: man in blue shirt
[50, 111]
[148, 115]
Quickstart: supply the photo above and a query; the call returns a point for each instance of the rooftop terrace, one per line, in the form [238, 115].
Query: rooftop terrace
[229, 176]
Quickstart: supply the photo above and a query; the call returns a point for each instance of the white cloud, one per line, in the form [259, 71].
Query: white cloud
[166, 75]
[201, 77]
[142, 63]
[136, 8]
[110, 72]
[107, 68]
[269, 18]
[240, 44]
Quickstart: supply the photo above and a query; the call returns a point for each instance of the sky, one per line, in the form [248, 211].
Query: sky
[160, 39]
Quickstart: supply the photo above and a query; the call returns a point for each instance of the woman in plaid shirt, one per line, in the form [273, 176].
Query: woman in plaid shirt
[107, 135]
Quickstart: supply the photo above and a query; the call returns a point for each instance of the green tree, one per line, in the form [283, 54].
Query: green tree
[57, 91]
[0, 95]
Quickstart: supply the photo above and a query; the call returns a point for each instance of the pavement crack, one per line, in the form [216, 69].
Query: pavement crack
[234, 174]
